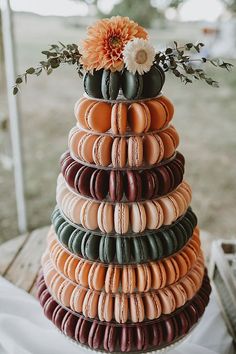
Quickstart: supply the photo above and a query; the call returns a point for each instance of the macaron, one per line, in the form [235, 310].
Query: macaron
[137, 217]
[121, 308]
[132, 85]
[107, 249]
[92, 83]
[119, 113]
[119, 152]
[88, 215]
[153, 81]
[135, 151]
[158, 115]
[110, 84]
[90, 246]
[137, 311]
[133, 185]
[102, 150]
[98, 184]
[105, 217]
[89, 113]
[121, 218]
[139, 117]
[153, 149]
[116, 185]
[85, 147]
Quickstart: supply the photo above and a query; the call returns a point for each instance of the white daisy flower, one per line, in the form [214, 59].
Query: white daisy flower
[138, 55]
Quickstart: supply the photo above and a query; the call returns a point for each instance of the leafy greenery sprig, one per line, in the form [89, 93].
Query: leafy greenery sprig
[184, 66]
[174, 59]
[55, 56]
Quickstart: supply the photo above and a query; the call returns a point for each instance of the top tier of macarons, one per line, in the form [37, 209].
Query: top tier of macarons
[120, 61]
[107, 85]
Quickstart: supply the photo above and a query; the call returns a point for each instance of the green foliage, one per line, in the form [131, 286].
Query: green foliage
[176, 59]
[179, 62]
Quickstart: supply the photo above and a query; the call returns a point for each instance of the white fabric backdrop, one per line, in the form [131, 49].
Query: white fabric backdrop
[25, 330]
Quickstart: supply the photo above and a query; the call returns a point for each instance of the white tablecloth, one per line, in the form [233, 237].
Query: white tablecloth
[25, 330]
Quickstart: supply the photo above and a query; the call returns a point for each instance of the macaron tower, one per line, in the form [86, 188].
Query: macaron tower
[123, 270]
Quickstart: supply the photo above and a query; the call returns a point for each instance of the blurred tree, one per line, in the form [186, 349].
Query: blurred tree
[140, 11]
[231, 5]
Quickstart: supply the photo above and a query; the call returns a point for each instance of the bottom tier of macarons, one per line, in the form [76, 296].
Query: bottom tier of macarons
[113, 337]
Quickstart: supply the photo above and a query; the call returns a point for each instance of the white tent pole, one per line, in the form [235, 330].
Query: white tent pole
[8, 45]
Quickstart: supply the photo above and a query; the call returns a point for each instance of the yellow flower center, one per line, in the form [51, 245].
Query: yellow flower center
[115, 42]
[141, 56]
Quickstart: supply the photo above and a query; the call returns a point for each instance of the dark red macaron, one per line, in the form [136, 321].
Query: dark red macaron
[126, 338]
[155, 334]
[83, 180]
[169, 329]
[82, 330]
[163, 179]
[177, 172]
[64, 156]
[71, 172]
[70, 325]
[110, 338]
[58, 316]
[116, 185]
[180, 157]
[44, 296]
[96, 335]
[141, 337]
[183, 322]
[99, 184]
[41, 286]
[49, 307]
[172, 177]
[133, 186]
[150, 184]
[65, 164]
[193, 314]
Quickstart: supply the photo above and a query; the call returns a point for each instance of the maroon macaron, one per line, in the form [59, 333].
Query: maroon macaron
[155, 334]
[163, 179]
[83, 180]
[71, 172]
[150, 184]
[58, 316]
[64, 156]
[126, 338]
[65, 164]
[133, 186]
[82, 330]
[70, 325]
[96, 335]
[141, 337]
[99, 184]
[110, 338]
[116, 185]
[49, 307]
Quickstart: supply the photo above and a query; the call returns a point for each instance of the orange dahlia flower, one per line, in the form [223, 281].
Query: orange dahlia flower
[106, 40]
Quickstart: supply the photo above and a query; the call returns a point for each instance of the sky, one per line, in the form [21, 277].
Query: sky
[191, 10]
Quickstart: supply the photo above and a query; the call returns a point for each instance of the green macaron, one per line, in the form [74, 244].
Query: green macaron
[65, 232]
[140, 249]
[153, 81]
[110, 84]
[155, 246]
[132, 85]
[90, 246]
[123, 250]
[75, 241]
[107, 249]
[168, 242]
[92, 83]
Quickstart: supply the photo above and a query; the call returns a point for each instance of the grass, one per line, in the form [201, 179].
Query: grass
[205, 119]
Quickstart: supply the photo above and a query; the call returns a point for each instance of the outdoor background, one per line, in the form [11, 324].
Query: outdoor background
[204, 117]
